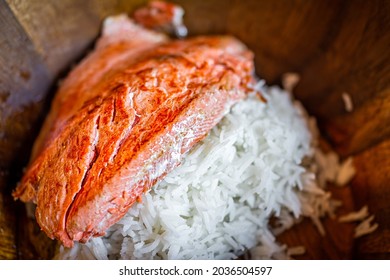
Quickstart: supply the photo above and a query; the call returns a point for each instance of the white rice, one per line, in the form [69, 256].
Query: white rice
[346, 172]
[348, 104]
[298, 250]
[365, 227]
[290, 81]
[260, 161]
[355, 216]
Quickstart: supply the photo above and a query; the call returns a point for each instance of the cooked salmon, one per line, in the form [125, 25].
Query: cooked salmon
[123, 119]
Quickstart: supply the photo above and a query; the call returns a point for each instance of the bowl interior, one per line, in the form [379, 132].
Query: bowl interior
[336, 47]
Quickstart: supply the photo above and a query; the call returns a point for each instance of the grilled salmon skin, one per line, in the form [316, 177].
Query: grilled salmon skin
[123, 119]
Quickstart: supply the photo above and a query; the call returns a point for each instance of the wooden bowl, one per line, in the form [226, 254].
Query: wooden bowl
[336, 46]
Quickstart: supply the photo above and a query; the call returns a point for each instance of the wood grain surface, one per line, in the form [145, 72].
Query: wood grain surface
[23, 85]
[371, 187]
[336, 46]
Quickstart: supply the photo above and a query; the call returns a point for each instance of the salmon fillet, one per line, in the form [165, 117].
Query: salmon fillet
[123, 119]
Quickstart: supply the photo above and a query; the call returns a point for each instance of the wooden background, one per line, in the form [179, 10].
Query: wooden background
[337, 46]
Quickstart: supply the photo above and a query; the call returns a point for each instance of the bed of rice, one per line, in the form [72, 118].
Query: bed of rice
[260, 161]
